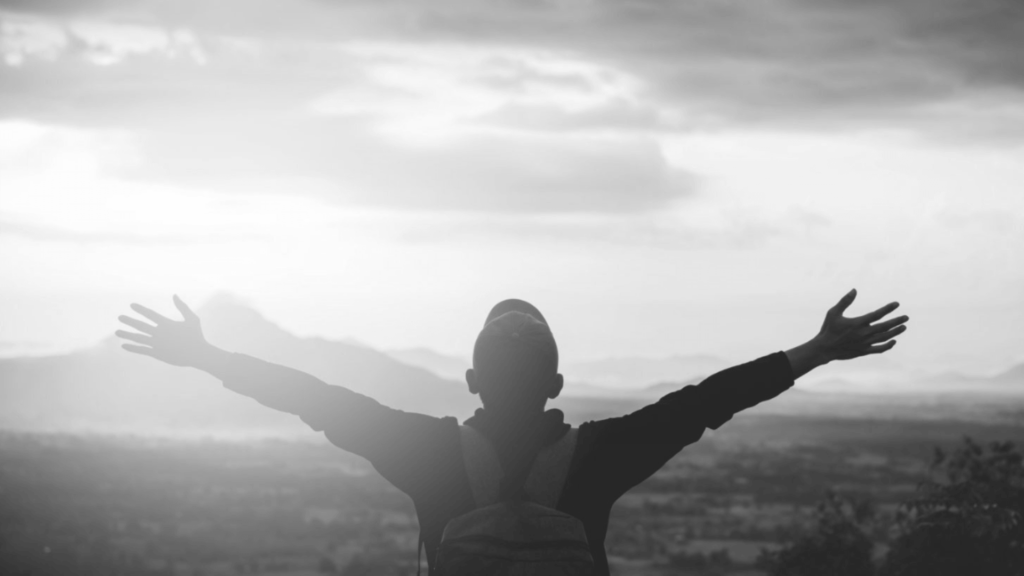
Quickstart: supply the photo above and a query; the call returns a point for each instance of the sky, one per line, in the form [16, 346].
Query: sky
[658, 177]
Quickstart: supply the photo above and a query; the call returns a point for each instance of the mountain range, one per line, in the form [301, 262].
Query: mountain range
[606, 378]
[104, 388]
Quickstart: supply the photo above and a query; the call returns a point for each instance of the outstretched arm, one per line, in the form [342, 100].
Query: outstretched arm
[626, 450]
[181, 343]
[396, 442]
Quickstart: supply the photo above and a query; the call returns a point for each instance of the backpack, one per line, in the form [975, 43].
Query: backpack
[524, 536]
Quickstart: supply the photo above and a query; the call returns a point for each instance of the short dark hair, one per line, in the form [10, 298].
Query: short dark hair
[515, 349]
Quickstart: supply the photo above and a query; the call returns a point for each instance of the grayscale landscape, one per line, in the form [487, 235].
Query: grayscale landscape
[675, 187]
[114, 464]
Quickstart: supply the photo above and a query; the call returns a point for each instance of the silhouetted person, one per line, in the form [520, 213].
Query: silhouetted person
[515, 372]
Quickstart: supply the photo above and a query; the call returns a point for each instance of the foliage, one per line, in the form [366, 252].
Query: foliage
[971, 522]
[718, 559]
[327, 566]
[839, 546]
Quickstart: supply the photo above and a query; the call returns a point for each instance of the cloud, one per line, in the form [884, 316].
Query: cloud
[98, 42]
[61, 7]
[387, 125]
[428, 91]
[24, 38]
[790, 63]
[544, 106]
[46, 233]
[348, 161]
[784, 60]
[104, 43]
[700, 227]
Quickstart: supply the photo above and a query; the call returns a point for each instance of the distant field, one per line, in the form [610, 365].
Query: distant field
[129, 505]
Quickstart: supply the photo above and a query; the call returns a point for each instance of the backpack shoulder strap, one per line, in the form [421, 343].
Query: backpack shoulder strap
[482, 466]
[547, 477]
[543, 485]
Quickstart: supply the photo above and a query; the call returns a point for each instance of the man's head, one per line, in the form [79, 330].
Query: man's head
[515, 360]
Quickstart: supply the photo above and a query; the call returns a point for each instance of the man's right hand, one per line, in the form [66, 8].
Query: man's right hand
[180, 343]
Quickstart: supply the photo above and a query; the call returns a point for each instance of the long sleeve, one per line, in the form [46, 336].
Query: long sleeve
[289, 390]
[619, 453]
[399, 444]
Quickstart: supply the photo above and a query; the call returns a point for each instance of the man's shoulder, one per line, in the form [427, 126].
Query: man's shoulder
[420, 455]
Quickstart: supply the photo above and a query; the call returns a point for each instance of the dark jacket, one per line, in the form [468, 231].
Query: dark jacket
[421, 455]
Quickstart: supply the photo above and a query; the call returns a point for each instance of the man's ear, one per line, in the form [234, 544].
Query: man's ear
[471, 381]
[556, 386]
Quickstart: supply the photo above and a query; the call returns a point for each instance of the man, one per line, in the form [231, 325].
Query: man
[515, 372]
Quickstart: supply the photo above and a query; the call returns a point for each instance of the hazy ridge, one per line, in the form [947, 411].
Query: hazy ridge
[106, 389]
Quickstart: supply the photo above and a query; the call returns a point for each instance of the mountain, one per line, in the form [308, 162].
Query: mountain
[106, 388]
[610, 378]
[634, 373]
[583, 390]
[1010, 382]
[448, 367]
[656, 391]
[1012, 377]
[874, 373]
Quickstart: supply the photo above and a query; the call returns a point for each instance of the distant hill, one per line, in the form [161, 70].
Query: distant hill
[658, 390]
[634, 373]
[610, 378]
[448, 367]
[106, 388]
[1010, 382]
[650, 378]
[1012, 377]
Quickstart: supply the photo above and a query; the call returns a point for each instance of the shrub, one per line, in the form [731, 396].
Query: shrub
[970, 522]
[839, 545]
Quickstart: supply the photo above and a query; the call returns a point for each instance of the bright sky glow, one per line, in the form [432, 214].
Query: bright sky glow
[391, 187]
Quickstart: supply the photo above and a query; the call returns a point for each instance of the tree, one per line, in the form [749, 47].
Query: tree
[839, 545]
[714, 559]
[327, 566]
[971, 522]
